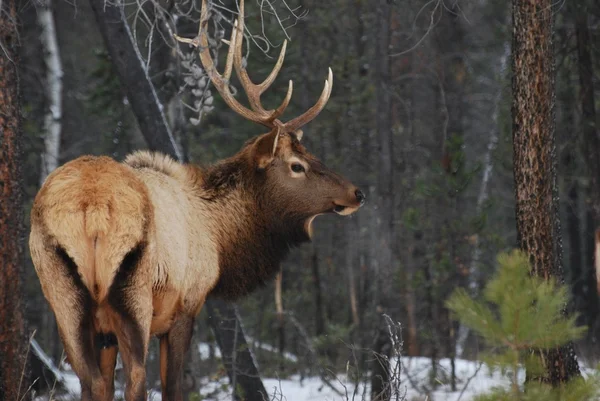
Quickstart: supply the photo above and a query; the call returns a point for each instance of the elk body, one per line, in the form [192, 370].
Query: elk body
[129, 250]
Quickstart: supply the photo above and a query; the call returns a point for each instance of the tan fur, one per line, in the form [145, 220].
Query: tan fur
[150, 238]
[76, 208]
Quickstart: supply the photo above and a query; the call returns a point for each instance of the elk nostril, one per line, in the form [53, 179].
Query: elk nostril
[360, 196]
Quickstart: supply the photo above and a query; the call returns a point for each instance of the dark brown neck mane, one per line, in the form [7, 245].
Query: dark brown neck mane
[249, 253]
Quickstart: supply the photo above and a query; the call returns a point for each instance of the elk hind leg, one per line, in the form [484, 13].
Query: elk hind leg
[106, 355]
[72, 305]
[130, 297]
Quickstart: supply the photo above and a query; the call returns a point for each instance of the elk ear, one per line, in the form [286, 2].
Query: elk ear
[298, 134]
[265, 148]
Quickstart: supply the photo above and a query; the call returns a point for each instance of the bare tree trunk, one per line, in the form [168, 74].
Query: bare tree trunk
[134, 77]
[381, 371]
[488, 169]
[54, 74]
[597, 259]
[148, 111]
[380, 374]
[13, 340]
[280, 318]
[352, 285]
[319, 313]
[52, 130]
[538, 225]
[488, 166]
[241, 366]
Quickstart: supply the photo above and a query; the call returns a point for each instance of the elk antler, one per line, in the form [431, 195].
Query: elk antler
[253, 91]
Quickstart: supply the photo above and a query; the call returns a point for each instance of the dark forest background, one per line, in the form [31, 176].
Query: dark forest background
[419, 118]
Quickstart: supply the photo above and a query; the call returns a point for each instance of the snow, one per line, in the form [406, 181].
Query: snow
[473, 378]
[204, 350]
[46, 360]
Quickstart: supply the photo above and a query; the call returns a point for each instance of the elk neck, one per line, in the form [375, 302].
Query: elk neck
[253, 234]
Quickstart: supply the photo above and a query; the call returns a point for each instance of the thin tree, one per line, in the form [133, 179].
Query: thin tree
[53, 89]
[13, 341]
[538, 224]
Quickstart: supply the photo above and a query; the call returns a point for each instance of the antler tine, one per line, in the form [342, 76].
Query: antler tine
[253, 91]
[221, 82]
[269, 80]
[311, 113]
[288, 96]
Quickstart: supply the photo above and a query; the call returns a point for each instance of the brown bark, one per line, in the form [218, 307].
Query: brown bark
[538, 225]
[13, 340]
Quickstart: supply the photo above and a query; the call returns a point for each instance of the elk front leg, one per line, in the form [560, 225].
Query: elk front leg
[173, 348]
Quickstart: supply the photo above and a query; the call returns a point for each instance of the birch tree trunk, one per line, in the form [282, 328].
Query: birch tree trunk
[538, 225]
[52, 128]
[53, 89]
[13, 340]
[482, 197]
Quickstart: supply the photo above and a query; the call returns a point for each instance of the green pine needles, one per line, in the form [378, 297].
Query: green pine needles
[519, 313]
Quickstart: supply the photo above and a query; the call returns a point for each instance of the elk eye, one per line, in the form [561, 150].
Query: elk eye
[297, 168]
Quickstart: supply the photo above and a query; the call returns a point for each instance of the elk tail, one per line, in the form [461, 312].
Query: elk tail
[95, 275]
[110, 240]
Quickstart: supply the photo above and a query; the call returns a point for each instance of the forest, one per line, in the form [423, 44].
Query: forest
[470, 126]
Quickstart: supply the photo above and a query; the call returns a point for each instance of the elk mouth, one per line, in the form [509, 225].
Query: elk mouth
[344, 210]
[339, 209]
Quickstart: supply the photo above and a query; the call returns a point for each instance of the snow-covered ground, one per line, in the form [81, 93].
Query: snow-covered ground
[472, 378]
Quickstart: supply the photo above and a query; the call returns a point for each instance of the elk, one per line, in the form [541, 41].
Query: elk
[125, 251]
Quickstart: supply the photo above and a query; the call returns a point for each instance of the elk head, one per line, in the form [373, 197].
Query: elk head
[285, 173]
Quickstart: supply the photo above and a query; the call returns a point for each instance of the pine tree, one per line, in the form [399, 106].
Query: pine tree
[521, 312]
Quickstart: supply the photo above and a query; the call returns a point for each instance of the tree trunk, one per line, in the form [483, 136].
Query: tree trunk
[280, 319]
[319, 313]
[13, 339]
[134, 77]
[482, 197]
[381, 371]
[52, 133]
[591, 142]
[538, 225]
[385, 150]
[53, 88]
[148, 111]
[238, 359]
[380, 374]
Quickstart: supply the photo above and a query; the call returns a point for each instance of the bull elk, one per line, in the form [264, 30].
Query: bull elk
[128, 250]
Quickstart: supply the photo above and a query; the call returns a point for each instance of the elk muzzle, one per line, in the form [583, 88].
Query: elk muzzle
[351, 204]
